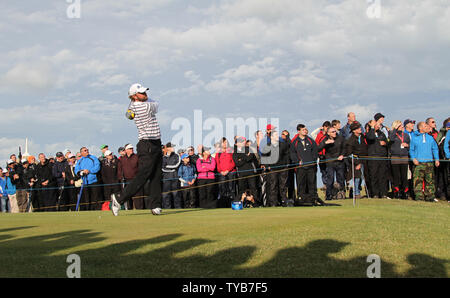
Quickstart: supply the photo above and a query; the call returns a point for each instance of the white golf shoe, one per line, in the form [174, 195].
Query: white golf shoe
[156, 211]
[115, 206]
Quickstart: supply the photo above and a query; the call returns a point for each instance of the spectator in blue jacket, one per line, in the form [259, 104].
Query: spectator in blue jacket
[187, 176]
[4, 201]
[424, 151]
[87, 167]
[447, 143]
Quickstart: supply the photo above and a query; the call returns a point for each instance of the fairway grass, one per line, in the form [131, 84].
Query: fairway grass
[411, 238]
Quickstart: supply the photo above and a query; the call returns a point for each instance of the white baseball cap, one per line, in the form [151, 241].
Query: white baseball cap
[108, 152]
[10, 161]
[129, 146]
[136, 88]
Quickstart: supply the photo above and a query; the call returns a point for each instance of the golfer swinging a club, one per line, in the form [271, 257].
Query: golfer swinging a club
[143, 109]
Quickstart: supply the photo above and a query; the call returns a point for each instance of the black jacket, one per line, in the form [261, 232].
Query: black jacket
[396, 138]
[333, 150]
[58, 169]
[20, 182]
[308, 154]
[373, 141]
[45, 172]
[356, 146]
[170, 165]
[29, 173]
[245, 161]
[109, 170]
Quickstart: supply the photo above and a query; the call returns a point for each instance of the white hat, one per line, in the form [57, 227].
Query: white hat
[5, 171]
[129, 146]
[136, 88]
[10, 161]
[70, 155]
[108, 152]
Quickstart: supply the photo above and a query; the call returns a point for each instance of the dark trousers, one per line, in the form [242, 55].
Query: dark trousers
[411, 167]
[206, 196]
[34, 198]
[378, 178]
[91, 197]
[248, 183]
[441, 180]
[276, 188]
[47, 199]
[150, 165]
[109, 189]
[227, 190]
[323, 171]
[337, 169]
[291, 184]
[71, 196]
[307, 180]
[62, 199]
[170, 196]
[400, 177]
[188, 195]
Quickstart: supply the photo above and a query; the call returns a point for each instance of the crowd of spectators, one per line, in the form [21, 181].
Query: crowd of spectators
[407, 160]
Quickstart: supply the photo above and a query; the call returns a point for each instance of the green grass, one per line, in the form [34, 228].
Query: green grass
[411, 238]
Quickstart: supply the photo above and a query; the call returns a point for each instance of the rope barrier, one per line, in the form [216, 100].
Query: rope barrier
[262, 171]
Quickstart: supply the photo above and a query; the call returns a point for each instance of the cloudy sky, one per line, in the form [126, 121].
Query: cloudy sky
[66, 65]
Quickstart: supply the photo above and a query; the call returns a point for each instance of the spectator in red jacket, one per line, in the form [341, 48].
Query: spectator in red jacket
[226, 174]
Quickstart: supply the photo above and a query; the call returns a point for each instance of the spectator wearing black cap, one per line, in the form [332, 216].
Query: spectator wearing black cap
[171, 162]
[409, 129]
[408, 124]
[58, 172]
[121, 152]
[356, 145]
[378, 153]
[379, 118]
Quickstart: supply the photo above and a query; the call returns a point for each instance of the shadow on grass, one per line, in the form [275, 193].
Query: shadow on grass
[168, 256]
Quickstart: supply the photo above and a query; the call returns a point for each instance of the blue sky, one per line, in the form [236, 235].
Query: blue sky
[64, 81]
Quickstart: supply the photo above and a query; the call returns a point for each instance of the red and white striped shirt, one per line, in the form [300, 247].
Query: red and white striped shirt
[145, 119]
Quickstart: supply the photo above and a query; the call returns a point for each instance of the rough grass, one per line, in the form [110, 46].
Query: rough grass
[411, 238]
